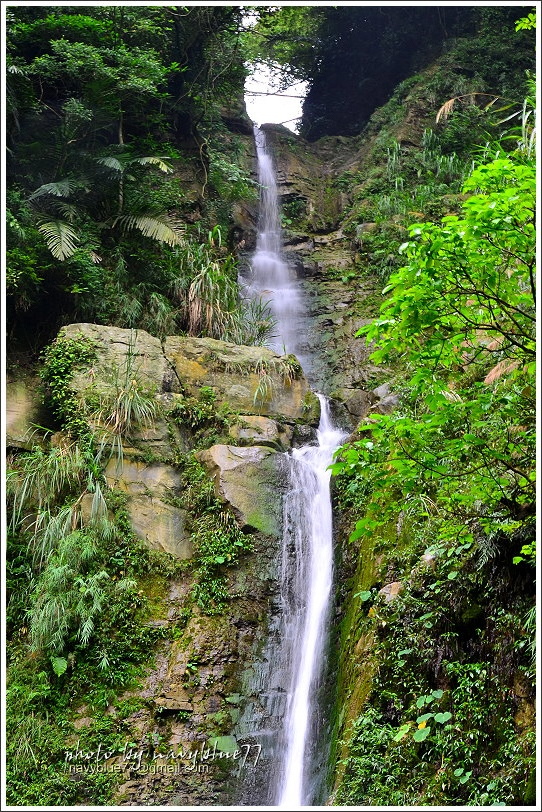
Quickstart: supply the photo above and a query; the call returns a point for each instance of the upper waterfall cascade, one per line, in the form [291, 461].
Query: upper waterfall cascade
[272, 279]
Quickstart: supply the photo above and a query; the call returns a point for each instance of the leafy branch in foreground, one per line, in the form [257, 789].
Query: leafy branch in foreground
[461, 317]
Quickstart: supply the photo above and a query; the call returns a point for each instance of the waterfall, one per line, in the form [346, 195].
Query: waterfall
[306, 596]
[293, 663]
[272, 279]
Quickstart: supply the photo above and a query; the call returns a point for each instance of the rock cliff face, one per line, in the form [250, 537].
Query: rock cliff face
[200, 682]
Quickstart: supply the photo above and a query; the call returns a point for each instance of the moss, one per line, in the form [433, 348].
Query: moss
[155, 588]
[311, 409]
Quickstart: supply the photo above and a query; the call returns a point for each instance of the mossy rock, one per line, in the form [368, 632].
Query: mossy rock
[250, 480]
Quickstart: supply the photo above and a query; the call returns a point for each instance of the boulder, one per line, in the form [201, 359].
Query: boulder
[236, 373]
[362, 230]
[249, 379]
[250, 481]
[391, 591]
[259, 430]
[138, 478]
[357, 401]
[382, 391]
[304, 435]
[120, 356]
[161, 526]
[386, 405]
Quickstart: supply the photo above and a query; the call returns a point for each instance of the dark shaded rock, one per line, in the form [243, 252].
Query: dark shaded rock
[304, 435]
[357, 401]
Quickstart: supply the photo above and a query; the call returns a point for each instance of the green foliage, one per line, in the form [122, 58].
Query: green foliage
[218, 542]
[255, 325]
[60, 360]
[446, 744]
[94, 216]
[64, 600]
[208, 421]
[528, 22]
[229, 180]
[204, 286]
[217, 539]
[86, 618]
[461, 318]
[293, 212]
[125, 406]
[443, 490]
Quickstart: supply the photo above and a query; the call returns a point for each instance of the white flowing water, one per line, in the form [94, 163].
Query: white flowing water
[296, 654]
[306, 595]
[272, 280]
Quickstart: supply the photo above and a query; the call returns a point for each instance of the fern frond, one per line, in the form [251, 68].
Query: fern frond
[111, 163]
[61, 188]
[158, 227]
[125, 584]
[60, 237]
[68, 211]
[159, 162]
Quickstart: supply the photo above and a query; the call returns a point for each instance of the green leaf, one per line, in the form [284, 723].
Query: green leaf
[161, 228]
[111, 163]
[453, 574]
[437, 693]
[421, 735]
[60, 237]
[62, 188]
[60, 665]
[363, 596]
[159, 162]
[401, 733]
[443, 717]
[424, 717]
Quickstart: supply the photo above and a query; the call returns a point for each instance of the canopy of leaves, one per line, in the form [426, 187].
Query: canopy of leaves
[100, 100]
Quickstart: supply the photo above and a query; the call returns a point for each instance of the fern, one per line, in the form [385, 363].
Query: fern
[90, 599]
[159, 227]
[61, 238]
[111, 163]
[155, 161]
[120, 164]
[61, 188]
[64, 599]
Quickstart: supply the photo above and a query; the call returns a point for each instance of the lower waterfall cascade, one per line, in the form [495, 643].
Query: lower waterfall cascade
[306, 594]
